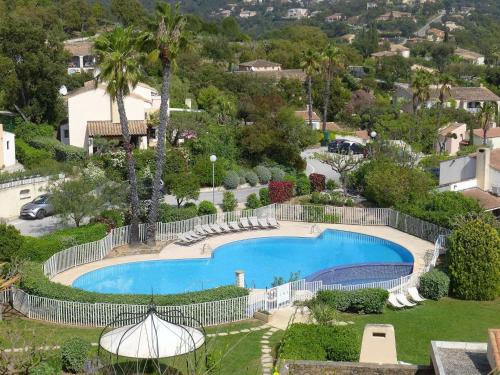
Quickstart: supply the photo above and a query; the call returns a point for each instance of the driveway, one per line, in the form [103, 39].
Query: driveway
[37, 228]
[423, 31]
[315, 166]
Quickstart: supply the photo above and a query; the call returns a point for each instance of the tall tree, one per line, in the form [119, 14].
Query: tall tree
[488, 114]
[310, 64]
[120, 68]
[333, 59]
[420, 85]
[166, 38]
[444, 82]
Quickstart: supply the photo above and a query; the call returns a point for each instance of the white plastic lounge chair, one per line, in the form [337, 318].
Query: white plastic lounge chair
[224, 227]
[216, 228]
[199, 231]
[234, 226]
[414, 295]
[272, 222]
[244, 223]
[403, 300]
[263, 223]
[254, 222]
[194, 235]
[183, 239]
[394, 302]
[207, 229]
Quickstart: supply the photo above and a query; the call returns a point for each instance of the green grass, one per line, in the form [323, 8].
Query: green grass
[447, 319]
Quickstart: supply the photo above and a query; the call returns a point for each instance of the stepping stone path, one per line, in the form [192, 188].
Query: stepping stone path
[266, 358]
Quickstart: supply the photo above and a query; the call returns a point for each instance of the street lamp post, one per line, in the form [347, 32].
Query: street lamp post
[213, 159]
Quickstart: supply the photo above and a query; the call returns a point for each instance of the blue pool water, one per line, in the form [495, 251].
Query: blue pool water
[261, 258]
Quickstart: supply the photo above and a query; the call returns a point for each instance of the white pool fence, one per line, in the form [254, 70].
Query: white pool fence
[230, 310]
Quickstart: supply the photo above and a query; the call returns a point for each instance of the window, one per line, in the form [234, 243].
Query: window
[66, 133]
[8, 144]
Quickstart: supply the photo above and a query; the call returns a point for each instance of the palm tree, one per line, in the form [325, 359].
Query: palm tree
[310, 65]
[164, 41]
[489, 113]
[420, 83]
[444, 82]
[332, 58]
[120, 68]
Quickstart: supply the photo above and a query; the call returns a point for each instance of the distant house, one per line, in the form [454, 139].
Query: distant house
[270, 69]
[82, 57]
[451, 137]
[492, 137]
[470, 56]
[7, 149]
[92, 113]
[296, 13]
[470, 99]
[304, 114]
[348, 38]
[452, 26]
[371, 5]
[383, 54]
[435, 35]
[400, 50]
[417, 67]
[335, 17]
[393, 15]
[247, 13]
[476, 176]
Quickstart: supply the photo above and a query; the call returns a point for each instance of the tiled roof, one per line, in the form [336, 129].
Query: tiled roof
[384, 54]
[466, 54]
[486, 200]
[82, 48]
[491, 133]
[495, 159]
[305, 115]
[450, 127]
[108, 129]
[398, 48]
[260, 63]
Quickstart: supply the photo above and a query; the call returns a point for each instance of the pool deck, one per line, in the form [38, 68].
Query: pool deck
[415, 245]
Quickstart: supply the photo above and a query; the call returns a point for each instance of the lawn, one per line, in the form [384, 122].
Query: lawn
[447, 319]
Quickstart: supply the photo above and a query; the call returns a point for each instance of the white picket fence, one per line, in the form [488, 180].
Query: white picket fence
[230, 310]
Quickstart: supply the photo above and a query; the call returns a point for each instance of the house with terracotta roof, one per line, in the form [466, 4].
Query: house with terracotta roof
[393, 15]
[304, 114]
[492, 137]
[270, 69]
[476, 175]
[82, 56]
[335, 17]
[451, 137]
[435, 35]
[92, 113]
[470, 56]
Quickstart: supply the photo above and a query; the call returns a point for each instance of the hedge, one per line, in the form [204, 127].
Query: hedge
[252, 178]
[33, 281]
[320, 343]
[74, 352]
[206, 208]
[170, 213]
[253, 201]
[277, 174]
[42, 248]
[11, 241]
[363, 301]
[58, 150]
[30, 156]
[434, 285]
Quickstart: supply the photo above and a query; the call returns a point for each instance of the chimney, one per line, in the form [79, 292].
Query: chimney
[1, 147]
[483, 168]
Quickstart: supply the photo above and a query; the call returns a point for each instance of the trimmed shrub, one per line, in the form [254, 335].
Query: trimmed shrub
[434, 285]
[363, 301]
[280, 191]
[33, 281]
[11, 241]
[264, 197]
[58, 150]
[337, 299]
[112, 218]
[251, 178]
[206, 208]
[253, 201]
[474, 261]
[74, 352]
[317, 181]
[229, 202]
[320, 343]
[29, 156]
[331, 185]
[263, 173]
[303, 186]
[170, 213]
[231, 180]
[277, 174]
[42, 248]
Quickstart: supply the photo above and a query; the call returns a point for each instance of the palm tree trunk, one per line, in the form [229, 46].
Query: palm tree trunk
[327, 97]
[134, 197]
[309, 99]
[160, 156]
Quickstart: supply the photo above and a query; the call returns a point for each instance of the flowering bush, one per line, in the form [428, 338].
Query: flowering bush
[280, 191]
[317, 181]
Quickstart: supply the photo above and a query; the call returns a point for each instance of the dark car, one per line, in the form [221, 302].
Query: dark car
[352, 148]
[335, 145]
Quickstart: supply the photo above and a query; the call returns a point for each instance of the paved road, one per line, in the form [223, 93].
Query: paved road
[38, 228]
[423, 31]
[315, 166]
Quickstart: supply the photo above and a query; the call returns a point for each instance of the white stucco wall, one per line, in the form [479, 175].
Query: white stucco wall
[9, 149]
[491, 142]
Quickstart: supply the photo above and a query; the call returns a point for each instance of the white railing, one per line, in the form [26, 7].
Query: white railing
[27, 181]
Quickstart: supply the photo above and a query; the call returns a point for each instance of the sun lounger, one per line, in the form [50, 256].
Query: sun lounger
[403, 300]
[225, 227]
[194, 236]
[207, 229]
[183, 239]
[272, 222]
[254, 222]
[199, 231]
[263, 223]
[394, 302]
[216, 228]
[234, 226]
[414, 295]
[244, 223]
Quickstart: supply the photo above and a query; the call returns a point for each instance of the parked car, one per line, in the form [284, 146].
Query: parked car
[335, 145]
[38, 208]
[352, 148]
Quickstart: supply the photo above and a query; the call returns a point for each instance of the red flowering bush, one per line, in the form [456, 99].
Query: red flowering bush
[280, 191]
[317, 181]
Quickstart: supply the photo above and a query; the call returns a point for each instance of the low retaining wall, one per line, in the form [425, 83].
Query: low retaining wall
[350, 368]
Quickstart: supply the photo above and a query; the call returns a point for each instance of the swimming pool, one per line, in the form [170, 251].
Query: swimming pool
[262, 259]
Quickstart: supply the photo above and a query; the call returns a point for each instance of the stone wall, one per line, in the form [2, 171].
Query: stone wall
[349, 368]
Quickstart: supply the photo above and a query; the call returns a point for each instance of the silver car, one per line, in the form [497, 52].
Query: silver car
[38, 208]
